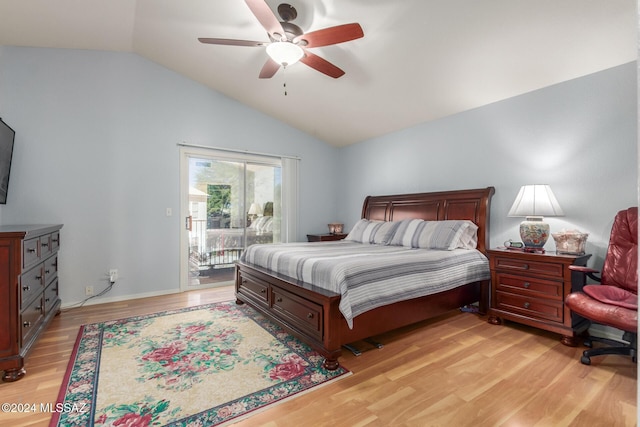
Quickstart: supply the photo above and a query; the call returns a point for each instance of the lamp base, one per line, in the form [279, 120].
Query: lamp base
[534, 232]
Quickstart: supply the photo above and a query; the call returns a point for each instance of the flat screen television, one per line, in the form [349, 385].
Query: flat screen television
[7, 137]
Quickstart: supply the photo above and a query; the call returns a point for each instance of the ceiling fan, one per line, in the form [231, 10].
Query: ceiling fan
[288, 43]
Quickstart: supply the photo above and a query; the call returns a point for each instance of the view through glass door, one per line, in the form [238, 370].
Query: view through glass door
[232, 203]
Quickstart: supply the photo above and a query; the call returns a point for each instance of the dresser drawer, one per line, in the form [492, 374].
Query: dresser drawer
[50, 268]
[50, 296]
[530, 286]
[530, 307]
[30, 252]
[55, 241]
[30, 319]
[530, 267]
[31, 283]
[300, 312]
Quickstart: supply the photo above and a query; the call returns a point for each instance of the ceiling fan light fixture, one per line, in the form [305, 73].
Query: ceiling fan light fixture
[285, 53]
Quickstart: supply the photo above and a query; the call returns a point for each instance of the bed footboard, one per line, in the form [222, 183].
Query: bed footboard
[308, 313]
[312, 314]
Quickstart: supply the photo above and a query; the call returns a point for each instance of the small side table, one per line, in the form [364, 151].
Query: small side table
[325, 237]
[530, 288]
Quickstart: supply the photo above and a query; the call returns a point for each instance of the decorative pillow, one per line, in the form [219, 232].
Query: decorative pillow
[445, 235]
[405, 231]
[377, 232]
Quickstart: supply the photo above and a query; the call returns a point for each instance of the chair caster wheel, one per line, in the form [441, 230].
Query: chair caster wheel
[586, 360]
[588, 343]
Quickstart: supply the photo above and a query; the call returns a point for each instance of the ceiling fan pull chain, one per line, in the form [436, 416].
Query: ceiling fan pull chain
[284, 73]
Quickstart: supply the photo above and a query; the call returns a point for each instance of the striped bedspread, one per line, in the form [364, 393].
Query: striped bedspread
[368, 275]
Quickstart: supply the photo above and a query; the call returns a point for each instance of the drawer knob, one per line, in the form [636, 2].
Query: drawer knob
[262, 291]
[31, 250]
[47, 299]
[527, 305]
[44, 245]
[39, 277]
[310, 316]
[278, 299]
[526, 284]
[26, 288]
[26, 324]
[39, 308]
[47, 271]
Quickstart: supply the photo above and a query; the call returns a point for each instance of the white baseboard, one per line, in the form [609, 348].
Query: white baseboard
[103, 300]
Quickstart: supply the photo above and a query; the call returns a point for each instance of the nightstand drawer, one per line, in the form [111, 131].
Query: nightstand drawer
[530, 267]
[325, 237]
[529, 286]
[530, 307]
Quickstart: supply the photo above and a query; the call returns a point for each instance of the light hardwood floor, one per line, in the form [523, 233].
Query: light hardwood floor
[456, 370]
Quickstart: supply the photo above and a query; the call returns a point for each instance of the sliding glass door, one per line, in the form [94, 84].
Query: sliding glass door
[232, 201]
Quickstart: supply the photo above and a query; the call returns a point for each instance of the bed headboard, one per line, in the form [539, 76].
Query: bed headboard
[473, 205]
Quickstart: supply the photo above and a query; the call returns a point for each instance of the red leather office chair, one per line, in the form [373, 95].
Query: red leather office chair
[613, 302]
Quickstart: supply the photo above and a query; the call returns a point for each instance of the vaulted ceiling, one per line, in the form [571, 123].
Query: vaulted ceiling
[419, 60]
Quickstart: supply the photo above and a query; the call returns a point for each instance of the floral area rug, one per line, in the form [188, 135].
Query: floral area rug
[198, 366]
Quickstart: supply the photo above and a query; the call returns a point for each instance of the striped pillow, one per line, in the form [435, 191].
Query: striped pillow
[377, 232]
[445, 235]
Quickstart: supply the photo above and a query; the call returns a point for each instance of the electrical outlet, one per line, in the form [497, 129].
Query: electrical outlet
[88, 291]
[113, 275]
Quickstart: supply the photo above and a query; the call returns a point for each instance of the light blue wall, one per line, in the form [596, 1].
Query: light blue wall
[96, 136]
[579, 137]
[96, 150]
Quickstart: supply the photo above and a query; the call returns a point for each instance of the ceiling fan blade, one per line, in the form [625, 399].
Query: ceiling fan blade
[331, 35]
[269, 69]
[266, 18]
[231, 42]
[322, 65]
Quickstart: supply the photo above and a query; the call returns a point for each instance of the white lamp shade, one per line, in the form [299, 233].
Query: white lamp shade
[285, 53]
[535, 201]
[255, 209]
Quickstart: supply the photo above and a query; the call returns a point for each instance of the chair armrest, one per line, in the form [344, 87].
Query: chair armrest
[586, 270]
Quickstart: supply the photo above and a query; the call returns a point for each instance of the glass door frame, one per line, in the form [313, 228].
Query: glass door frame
[187, 152]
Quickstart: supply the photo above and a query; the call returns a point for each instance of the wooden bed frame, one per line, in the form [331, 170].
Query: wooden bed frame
[311, 313]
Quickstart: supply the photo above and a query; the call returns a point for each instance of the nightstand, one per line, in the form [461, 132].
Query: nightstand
[325, 237]
[530, 288]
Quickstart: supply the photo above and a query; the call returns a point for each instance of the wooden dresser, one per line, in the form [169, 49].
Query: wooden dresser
[28, 291]
[530, 288]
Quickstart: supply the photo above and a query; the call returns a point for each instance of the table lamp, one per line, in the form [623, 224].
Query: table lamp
[534, 202]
